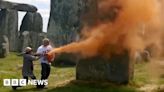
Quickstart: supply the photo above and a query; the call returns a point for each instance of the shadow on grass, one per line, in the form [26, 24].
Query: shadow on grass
[63, 66]
[75, 86]
[26, 90]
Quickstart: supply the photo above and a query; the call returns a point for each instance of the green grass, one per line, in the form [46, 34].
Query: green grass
[62, 79]
[11, 68]
[143, 75]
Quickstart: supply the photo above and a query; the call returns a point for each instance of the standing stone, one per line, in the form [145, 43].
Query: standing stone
[4, 46]
[117, 69]
[32, 22]
[13, 29]
[65, 25]
[64, 22]
[9, 26]
[66, 59]
[3, 22]
[24, 40]
[36, 39]
[9, 22]
[66, 19]
[31, 29]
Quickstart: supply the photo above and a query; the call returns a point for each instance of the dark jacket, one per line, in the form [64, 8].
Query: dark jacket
[27, 69]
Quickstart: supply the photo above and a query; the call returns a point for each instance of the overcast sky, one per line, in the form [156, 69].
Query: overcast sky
[43, 8]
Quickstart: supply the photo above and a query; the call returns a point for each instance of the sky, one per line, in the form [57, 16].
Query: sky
[43, 8]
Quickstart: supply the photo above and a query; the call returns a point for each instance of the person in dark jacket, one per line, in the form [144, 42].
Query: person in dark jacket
[27, 70]
[28, 58]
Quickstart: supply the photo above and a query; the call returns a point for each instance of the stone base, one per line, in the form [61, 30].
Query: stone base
[117, 69]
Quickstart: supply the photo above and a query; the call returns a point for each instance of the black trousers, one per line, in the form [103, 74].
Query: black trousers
[45, 72]
[26, 77]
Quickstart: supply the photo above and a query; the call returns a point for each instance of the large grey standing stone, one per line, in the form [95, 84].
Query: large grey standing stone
[9, 26]
[24, 41]
[36, 39]
[66, 20]
[4, 46]
[13, 29]
[117, 69]
[17, 6]
[31, 30]
[30, 39]
[64, 26]
[64, 23]
[32, 22]
[3, 22]
[65, 59]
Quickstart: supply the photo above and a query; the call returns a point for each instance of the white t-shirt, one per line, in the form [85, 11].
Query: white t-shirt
[43, 50]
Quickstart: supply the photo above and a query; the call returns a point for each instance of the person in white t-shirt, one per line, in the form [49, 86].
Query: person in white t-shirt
[45, 65]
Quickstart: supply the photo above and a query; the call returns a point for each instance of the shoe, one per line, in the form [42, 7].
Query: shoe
[40, 86]
[14, 87]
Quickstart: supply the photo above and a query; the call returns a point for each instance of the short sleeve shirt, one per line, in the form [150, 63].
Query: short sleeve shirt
[43, 50]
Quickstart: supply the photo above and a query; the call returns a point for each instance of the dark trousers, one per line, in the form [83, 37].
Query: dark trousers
[45, 72]
[26, 77]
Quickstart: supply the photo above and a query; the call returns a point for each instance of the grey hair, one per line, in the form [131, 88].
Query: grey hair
[46, 39]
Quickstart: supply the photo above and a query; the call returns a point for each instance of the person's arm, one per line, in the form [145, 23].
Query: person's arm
[33, 58]
[21, 54]
[38, 53]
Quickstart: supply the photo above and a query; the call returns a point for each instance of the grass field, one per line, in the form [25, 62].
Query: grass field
[62, 79]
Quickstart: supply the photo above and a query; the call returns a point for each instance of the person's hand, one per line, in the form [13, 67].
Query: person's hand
[50, 57]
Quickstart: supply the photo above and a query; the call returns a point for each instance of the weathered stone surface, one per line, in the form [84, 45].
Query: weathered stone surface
[31, 39]
[32, 22]
[67, 19]
[17, 6]
[13, 29]
[36, 39]
[9, 26]
[64, 22]
[31, 31]
[4, 46]
[24, 7]
[3, 22]
[5, 4]
[65, 59]
[117, 69]
[24, 41]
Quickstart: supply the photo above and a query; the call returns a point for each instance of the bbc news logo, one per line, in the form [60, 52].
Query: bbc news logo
[23, 82]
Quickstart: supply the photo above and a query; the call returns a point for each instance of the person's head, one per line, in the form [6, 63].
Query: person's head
[28, 50]
[46, 42]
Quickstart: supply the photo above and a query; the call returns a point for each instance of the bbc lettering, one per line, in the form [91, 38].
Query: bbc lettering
[23, 82]
[6, 82]
[14, 82]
